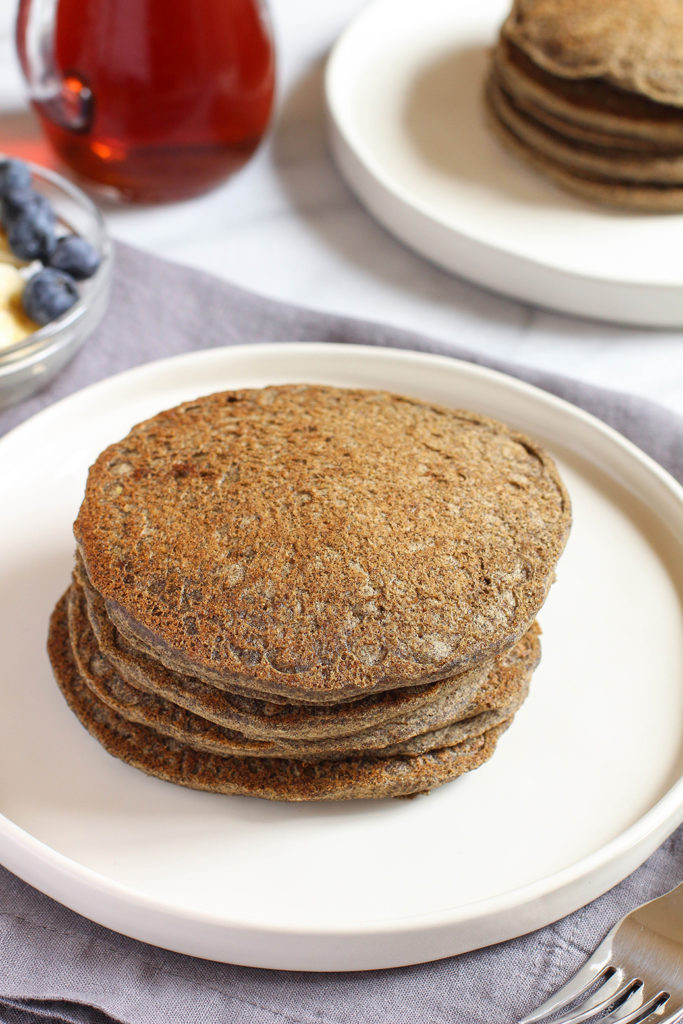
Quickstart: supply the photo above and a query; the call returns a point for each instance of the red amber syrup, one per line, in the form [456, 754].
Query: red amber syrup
[181, 90]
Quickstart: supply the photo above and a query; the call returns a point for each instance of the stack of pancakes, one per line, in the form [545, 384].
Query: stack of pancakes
[307, 592]
[591, 93]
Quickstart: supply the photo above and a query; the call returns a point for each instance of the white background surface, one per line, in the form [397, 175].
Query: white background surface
[288, 227]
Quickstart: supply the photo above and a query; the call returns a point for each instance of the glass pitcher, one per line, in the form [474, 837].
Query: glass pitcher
[153, 99]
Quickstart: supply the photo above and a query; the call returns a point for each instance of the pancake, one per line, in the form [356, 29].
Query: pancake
[267, 717]
[635, 45]
[304, 592]
[311, 579]
[641, 197]
[588, 104]
[498, 699]
[579, 157]
[571, 133]
[261, 719]
[291, 780]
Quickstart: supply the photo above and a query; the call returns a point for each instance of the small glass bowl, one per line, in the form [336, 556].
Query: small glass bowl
[32, 362]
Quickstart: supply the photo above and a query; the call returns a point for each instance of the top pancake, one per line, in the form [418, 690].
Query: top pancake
[634, 44]
[322, 543]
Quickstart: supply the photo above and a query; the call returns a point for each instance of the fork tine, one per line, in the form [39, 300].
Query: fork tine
[614, 997]
[577, 984]
[673, 1018]
[643, 1012]
[609, 997]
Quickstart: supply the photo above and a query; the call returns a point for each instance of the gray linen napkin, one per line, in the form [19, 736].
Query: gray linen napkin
[56, 966]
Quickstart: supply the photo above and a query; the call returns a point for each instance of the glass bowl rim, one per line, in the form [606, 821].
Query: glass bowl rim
[43, 336]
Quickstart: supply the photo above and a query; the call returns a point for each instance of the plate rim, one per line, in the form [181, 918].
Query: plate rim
[641, 838]
[364, 173]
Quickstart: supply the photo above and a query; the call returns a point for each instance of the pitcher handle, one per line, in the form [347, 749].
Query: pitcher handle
[64, 97]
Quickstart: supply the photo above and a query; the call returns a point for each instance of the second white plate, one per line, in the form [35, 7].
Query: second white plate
[583, 786]
[404, 90]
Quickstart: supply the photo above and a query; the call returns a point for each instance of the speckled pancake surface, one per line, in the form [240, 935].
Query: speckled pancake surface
[291, 780]
[320, 543]
[636, 45]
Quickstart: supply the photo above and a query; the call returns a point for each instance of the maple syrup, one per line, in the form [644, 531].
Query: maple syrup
[158, 99]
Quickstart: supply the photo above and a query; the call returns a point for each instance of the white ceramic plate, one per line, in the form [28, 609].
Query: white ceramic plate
[583, 786]
[404, 93]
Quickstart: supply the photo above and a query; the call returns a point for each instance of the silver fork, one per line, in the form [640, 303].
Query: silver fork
[635, 974]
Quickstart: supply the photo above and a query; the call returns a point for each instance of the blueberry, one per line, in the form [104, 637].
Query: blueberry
[76, 256]
[13, 202]
[48, 294]
[31, 232]
[14, 174]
